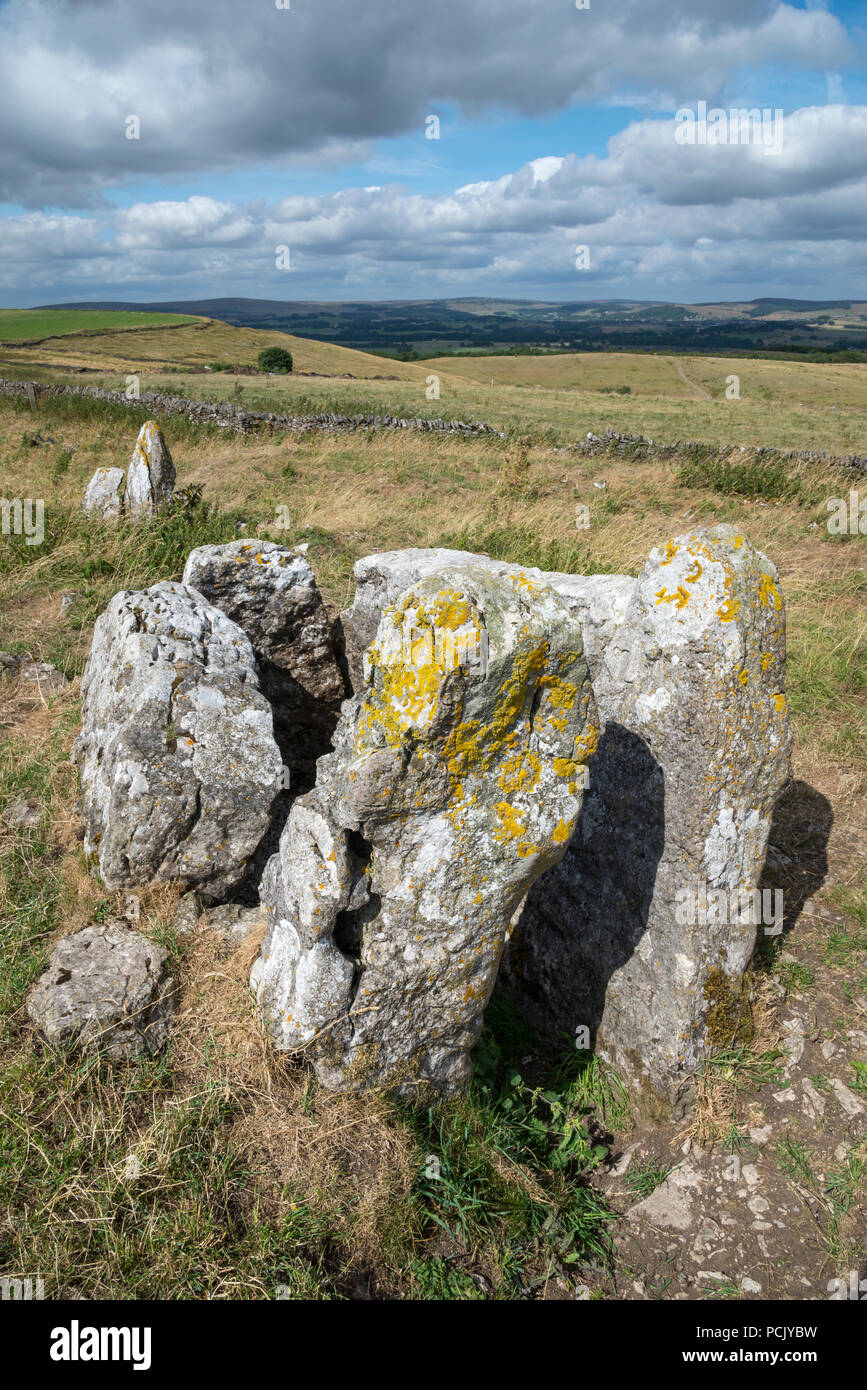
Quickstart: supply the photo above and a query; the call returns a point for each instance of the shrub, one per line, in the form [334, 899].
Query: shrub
[275, 359]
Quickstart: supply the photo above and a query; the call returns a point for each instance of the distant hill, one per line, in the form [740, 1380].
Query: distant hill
[432, 326]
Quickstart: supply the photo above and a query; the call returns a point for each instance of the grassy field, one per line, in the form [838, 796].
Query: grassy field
[681, 378]
[199, 343]
[221, 1169]
[559, 398]
[22, 325]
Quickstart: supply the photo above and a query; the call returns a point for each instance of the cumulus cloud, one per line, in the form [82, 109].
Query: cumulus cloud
[217, 85]
[656, 215]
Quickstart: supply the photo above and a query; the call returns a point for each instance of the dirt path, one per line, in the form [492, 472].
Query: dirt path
[703, 395]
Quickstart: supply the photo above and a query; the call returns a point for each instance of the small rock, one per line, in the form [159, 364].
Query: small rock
[235, 922]
[104, 494]
[796, 1030]
[106, 987]
[848, 1101]
[750, 1286]
[186, 913]
[760, 1134]
[814, 1106]
[781, 1097]
[10, 663]
[44, 674]
[622, 1164]
[670, 1206]
[67, 601]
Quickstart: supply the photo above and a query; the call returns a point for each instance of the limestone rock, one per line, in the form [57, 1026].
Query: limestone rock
[380, 579]
[622, 936]
[178, 763]
[105, 987]
[104, 494]
[454, 783]
[43, 674]
[150, 478]
[598, 601]
[234, 922]
[670, 1206]
[271, 593]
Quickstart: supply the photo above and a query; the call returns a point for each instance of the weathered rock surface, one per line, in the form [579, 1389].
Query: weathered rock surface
[179, 767]
[43, 674]
[104, 494]
[105, 987]
[694, 751]
[150, 478]
[272, 594]
[454, 783]
[598, 601]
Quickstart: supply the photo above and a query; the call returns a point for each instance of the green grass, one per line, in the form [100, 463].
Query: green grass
[750, 479]
[23, 325]
[643, 1181]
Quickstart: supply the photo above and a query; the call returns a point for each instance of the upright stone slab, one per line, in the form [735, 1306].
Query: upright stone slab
[178, 763]
[104, 494]
[271, 593]
[150, 478]
[455, 782]
[694, 750]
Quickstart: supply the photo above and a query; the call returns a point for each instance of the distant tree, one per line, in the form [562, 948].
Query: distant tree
[275, 359]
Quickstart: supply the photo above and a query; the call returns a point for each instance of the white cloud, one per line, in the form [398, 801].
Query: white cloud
[654, 213]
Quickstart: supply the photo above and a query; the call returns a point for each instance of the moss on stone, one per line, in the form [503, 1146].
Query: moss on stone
[729, 1021]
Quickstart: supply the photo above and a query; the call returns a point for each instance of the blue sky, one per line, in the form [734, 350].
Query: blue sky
[262, 128]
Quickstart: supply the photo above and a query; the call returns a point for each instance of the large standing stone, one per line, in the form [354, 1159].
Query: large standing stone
[105, 987]
[455, 782]
[104, 494]
[271, 593]
[150, 478]
[178, 762]
[694, 751]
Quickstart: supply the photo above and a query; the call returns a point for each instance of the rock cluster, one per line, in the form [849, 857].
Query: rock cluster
[537, 779]
[150, 480]
[687, 666]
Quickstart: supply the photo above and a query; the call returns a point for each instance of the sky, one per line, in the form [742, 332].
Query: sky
[281, 149]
